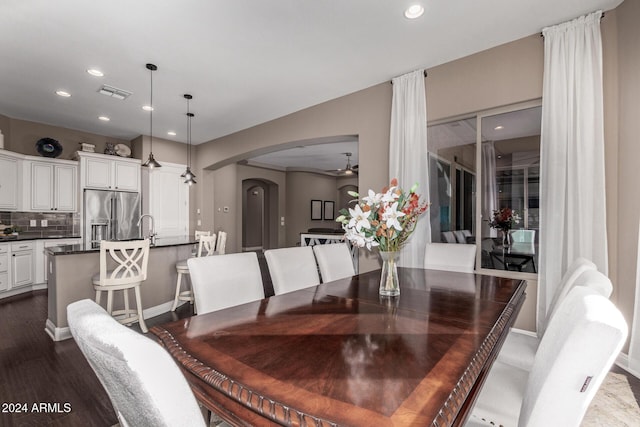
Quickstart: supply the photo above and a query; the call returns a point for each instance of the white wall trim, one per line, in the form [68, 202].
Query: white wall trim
[22, 290]
[623, 362]
[524, 332]
[61, 334]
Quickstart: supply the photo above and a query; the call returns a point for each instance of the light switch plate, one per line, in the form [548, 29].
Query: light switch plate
[33, 223]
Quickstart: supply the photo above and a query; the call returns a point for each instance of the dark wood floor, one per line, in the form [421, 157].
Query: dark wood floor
[35, 370]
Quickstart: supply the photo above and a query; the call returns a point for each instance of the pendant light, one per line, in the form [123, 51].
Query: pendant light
[151, 162]
[187, 173]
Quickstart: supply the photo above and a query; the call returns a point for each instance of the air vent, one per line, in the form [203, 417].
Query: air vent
[114, 92]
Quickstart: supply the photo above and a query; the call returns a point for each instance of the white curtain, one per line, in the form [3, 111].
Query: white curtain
[490, 193]
[408, 156]
[572, 186]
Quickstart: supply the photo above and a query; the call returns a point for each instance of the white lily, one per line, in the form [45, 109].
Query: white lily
[359, 219]
[373, 199]
[391, 215]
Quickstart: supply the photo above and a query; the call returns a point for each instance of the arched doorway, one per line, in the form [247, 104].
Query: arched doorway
[259, 215]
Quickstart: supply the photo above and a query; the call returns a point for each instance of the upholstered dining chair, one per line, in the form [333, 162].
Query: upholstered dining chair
[145, 386]
[225, 280]
[292, 268]
[519, 348]
[581, 343]
[334, 261]
[448, 237]
[448, 257]
[206, 247]
[123, 266]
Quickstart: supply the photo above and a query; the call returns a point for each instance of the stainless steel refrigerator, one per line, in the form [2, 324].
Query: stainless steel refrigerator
[110, 215]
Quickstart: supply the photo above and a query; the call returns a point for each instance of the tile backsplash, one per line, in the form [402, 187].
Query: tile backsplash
[57, 224]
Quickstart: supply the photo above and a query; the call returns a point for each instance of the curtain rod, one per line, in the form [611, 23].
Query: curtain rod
[425, 74]
[601, 18]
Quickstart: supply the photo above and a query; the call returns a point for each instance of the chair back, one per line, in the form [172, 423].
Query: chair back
[448, 237]
[581, 343]
[568, 281]
[292, 268]
[199, 233]
[523, 236]
[448, 257]
[143, 382]
[334, 261]
[207, 245]
[221, 245]
[461, 235]
[225, 281]
[130, 259]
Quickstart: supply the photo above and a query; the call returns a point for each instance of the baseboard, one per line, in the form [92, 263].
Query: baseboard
[524, 332]
[22, 290]
[61, 334]
[56, 334]
[623, 362]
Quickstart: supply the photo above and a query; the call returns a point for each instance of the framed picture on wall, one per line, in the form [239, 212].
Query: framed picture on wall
[329, 206]
[316, 209]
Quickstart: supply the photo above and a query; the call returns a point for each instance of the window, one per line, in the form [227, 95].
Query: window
[505, 146]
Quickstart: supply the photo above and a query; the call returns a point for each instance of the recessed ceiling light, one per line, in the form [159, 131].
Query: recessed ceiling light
[104, 118]
[498, 127]
[172, 133]
[414, 11]
[147, 108]
[94, 72]
[63, 93]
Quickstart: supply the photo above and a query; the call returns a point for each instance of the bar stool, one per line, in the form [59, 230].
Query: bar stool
[222, 243]
[206, 247]
[131, 259]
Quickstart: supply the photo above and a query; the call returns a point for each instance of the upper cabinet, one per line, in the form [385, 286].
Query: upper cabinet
[10, 180]
[104, 172]
[53, 185]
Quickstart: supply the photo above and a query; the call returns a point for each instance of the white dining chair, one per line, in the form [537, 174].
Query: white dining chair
[123, 266]
[334, 261]
[221, 244]
[448, 237]
[448, 257]
[224, 281]
[145, 386]
[206, 247]
[523, 236]
[292, 268]
[581, 343]
[519, 347]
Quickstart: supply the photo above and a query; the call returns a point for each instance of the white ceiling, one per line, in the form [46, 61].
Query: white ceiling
[245, 62]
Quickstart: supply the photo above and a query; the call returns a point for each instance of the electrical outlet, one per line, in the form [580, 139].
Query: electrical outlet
[44, 223]
[33, 223]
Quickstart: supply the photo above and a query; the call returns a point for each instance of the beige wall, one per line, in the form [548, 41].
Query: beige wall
[23, 135]
[302, 187]
[627, 211]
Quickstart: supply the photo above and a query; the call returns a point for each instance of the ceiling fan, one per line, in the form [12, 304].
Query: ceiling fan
[349, 169]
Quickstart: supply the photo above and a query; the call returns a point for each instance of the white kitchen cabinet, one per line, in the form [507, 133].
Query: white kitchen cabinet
[171, 214]
[4, 267]
[104, 172]
[52, 185]
[10, 180]
[22, 266]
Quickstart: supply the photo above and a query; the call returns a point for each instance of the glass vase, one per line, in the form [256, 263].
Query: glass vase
[505, 237]
[389, 284]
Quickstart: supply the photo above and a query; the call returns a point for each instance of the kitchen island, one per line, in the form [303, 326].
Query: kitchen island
[71, 268]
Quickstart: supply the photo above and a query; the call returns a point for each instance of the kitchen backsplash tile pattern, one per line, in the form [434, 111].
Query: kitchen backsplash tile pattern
[57, 224]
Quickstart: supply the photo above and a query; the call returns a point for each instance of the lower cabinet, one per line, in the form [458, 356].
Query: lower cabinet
[22, 265]
[4, 267]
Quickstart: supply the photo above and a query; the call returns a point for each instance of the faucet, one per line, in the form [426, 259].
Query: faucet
[152, 235]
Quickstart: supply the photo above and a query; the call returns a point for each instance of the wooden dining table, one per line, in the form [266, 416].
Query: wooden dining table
[338, 354]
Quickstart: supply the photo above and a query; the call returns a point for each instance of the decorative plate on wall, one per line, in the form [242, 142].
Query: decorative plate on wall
[48, 147]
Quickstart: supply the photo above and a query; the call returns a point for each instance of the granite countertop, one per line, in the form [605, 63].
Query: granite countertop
[80, 249]
[23, 237]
